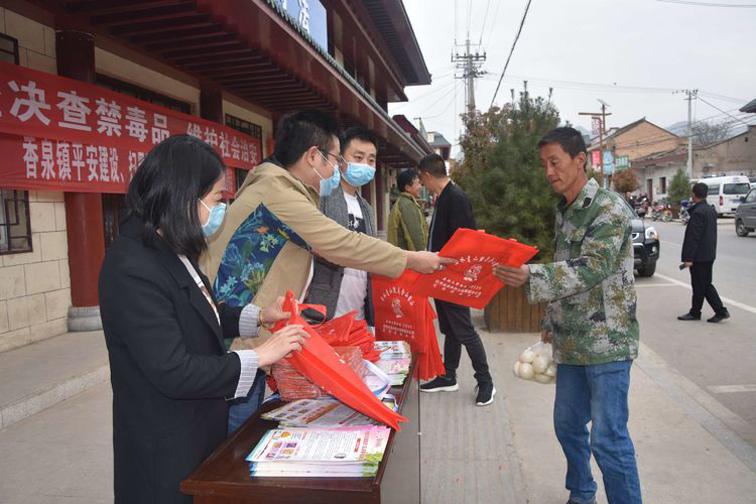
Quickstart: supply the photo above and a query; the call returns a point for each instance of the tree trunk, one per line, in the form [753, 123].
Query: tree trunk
[509, 311]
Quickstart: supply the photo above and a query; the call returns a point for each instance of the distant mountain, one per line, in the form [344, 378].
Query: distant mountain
[680, 128]
[586, 134]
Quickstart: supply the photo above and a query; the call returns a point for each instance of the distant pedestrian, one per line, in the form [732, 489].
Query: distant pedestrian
[407, 228]
[698, 253]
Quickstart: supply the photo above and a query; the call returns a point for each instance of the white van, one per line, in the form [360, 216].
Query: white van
[725, 192]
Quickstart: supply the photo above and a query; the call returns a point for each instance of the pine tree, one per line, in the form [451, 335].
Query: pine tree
[502, 172]
[679, 188]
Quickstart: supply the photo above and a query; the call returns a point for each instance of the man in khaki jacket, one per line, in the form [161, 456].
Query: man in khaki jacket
[271, 231]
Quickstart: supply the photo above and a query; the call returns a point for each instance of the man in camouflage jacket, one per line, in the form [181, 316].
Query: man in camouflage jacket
[590, 319]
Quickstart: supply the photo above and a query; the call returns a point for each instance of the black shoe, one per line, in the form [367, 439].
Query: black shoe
[486, 393]
[719, 317]
[573, 502]
[688, 316]
[440, 384]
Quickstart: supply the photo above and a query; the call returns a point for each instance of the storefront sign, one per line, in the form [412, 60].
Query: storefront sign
[595, 159]
[622, 162]
[65, 135]
[608, 162]
[310, 15]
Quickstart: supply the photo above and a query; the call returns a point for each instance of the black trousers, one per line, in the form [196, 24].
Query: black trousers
[456, 324]
[700, 279]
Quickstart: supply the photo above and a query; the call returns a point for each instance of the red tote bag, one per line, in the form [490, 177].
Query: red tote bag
[470, 282]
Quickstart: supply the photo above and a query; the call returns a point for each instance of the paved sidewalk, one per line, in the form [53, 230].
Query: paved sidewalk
[503, 453]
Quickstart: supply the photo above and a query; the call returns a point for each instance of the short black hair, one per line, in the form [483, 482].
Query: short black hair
[359, 133]
[405, 178]
[434, 165]
[166, 188]
[700, 190]
[570, 139]
[298, 131]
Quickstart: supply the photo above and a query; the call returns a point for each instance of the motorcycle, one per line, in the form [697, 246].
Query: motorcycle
[661, 212]
[684, 214]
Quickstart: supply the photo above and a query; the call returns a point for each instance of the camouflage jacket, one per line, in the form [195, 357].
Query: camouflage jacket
[590, 287]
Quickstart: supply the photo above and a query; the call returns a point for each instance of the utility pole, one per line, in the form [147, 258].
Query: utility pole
[602, 133]
[469, 64]
[691, 95]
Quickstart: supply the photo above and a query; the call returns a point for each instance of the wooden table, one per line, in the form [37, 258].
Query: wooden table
[224, 476]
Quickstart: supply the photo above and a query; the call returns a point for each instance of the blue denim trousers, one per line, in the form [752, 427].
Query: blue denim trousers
[244, 407]
[596, 394]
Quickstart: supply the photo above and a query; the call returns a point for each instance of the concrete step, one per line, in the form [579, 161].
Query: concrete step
[40, 375]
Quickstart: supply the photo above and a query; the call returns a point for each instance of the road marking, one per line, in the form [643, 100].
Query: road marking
[727, 301]
[638, 286]
[731, 389]
[671, 243]
[726, 426]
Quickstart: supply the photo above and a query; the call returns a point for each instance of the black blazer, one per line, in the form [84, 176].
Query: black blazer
[169, 369]
[453, 211]
[700, 244]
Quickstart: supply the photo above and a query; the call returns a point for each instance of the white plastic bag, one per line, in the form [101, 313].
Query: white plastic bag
[536, 364]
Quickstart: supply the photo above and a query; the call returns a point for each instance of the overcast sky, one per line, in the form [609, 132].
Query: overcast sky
[588, 50]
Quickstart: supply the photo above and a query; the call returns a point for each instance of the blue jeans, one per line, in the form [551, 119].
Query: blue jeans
[596, 394]
[243, 408]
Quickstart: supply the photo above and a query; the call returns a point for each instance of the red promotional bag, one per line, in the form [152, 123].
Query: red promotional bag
[470, 282]
[319, 362]
[402, 315]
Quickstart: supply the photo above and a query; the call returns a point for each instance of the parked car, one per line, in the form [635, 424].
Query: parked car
[745, 215]
[646, 247]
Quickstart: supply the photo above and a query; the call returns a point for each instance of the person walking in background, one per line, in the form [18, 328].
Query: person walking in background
[699, 251]
[591, 321]
[407, 227]
[453, 211]
[164, 329]
[342, 290]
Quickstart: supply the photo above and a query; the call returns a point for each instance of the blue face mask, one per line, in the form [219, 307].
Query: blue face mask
[215, 219]
[359, 174]
[327, 185]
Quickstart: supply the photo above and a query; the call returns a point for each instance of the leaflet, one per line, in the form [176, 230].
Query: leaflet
[347, 446]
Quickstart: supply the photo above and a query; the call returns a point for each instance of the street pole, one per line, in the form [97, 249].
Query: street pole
[602, 133]
[691, 94]
[469, 64]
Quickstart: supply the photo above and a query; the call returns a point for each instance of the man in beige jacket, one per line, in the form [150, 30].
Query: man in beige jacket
[271, 231]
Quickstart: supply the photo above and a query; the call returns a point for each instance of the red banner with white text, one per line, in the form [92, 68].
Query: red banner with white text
[65, 135]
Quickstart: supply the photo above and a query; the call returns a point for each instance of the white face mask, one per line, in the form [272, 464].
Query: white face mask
[328, 185]
[215, 218]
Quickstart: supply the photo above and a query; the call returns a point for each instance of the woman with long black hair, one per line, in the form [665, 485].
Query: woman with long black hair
[170, 372]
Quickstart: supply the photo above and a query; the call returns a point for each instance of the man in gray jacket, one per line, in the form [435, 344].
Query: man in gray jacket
[342, 290]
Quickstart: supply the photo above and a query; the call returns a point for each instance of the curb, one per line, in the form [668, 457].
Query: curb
[44, 399]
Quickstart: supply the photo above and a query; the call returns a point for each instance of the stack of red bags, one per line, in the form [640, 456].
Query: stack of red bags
[402, 315]
[292, 385]
[347, 331]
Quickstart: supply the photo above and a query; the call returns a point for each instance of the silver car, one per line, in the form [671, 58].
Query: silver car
[745, 215]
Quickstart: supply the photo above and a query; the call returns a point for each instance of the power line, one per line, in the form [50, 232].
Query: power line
[719, 109]
[492, 26]
[485, 18]
[709, 4]
[511, 51]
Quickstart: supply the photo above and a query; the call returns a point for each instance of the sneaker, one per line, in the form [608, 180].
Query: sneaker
[688, 316]
[486, 393]
[719, 317]
[575, 502]
[440, 384]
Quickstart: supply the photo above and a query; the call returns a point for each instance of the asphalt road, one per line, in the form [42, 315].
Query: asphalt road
[718, 358]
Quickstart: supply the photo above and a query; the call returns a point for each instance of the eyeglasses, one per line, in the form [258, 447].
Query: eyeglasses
[338, 157]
